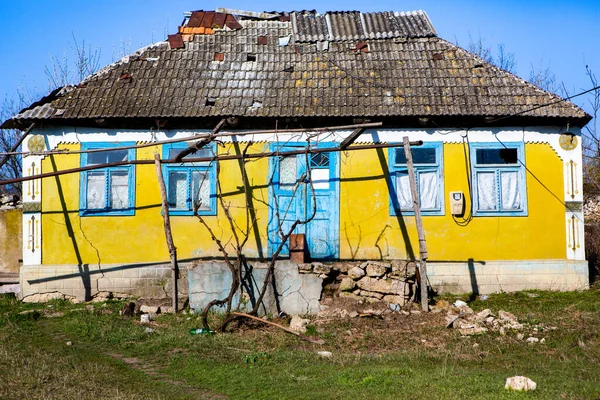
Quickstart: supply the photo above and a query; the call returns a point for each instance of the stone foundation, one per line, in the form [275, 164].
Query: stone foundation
[301, 287]
[86, 282]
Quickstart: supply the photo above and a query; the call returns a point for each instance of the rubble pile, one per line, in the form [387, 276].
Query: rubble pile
[367, 282]
[460, 316]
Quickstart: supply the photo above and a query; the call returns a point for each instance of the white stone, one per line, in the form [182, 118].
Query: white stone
[326, 354]
[69, 343]
[145, 318]
[520, 383]
[386, 286]
[532, 339]
[483, 315]
[460, 303]
[520, 336]
[507, 316]
[356, 273]
[376, 270]
[298, 324]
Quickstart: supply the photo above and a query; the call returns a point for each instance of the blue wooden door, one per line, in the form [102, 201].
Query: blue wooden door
[291, 198]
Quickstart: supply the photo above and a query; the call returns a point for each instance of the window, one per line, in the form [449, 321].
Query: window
[190, 184]
[498, 179]
[110, 190]
[427, 160]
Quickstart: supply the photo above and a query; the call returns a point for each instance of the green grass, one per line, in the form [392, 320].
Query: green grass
[410, 357]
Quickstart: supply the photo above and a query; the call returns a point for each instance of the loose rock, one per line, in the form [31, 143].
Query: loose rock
[326, 354]
[520, 383]
[356, 273]
[298, 324]
[376, 270]
[347, 284]
[320, 268]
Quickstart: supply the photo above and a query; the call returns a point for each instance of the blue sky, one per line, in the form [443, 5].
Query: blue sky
[561, 35]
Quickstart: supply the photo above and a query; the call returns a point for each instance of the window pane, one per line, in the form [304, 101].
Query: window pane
[486, 190]
[201, 189]
[496, 156]
[510, 190]
[428, 190]
[119, 193]
[419, 155]
[103, 157]
[403, 191]
[205, 152]
[319, 160]
[320, 178]
[178, 190]
[96, 187]
[287, 171]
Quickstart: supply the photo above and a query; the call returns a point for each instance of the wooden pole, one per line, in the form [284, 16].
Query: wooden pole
[167, 226]
[420, 230]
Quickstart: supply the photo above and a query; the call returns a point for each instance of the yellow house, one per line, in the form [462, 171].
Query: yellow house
[499, 173]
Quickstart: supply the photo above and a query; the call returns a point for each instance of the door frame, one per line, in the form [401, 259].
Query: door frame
[334, 179]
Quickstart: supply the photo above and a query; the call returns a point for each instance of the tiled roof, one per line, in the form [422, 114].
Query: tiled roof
[301, 64]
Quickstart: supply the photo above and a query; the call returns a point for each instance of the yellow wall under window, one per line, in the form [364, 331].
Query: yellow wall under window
[366, 228]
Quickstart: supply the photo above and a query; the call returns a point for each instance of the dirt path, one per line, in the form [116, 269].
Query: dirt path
[155, 373]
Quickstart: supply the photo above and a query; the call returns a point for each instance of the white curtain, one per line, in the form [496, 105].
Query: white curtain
[403, 191]
[201, 189]
[428, 190]
[96, 185]
[287, 171]
[510, 190]
[119, 190]
[178, 190]
[486, 190]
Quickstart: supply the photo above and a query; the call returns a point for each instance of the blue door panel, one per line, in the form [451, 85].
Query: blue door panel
[294, 202]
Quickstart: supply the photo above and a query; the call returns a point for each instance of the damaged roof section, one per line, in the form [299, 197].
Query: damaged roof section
[301, 64]
[309, 26]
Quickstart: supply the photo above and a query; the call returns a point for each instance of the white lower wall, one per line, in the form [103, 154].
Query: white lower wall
[508, 276]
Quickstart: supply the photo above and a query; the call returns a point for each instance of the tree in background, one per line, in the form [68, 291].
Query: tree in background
[73, 67]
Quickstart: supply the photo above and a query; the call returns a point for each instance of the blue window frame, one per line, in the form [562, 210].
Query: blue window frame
[107, 191]
[428, 162]
[190, 184]
[499, 186]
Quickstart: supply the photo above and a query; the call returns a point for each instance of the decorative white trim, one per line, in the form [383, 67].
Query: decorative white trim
[32, 238]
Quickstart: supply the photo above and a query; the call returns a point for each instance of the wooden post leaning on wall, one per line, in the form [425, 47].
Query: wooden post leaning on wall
[420, 230]
[167, 226]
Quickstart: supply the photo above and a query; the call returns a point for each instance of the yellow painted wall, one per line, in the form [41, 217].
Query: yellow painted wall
[368, 231]
[71, 239]
[366, 228]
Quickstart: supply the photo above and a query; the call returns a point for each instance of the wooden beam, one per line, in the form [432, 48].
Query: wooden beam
[350, 139]
[197, 137]
[202, 142]
[167, 227]
[208, 159]
[419, 221]
[16, 145]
